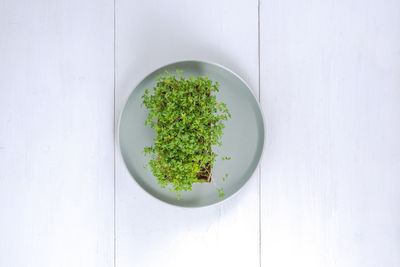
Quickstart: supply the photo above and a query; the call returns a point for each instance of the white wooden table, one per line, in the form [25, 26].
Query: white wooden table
[327, 74]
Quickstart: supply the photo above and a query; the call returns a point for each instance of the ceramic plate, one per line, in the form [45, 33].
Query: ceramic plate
[243, 138]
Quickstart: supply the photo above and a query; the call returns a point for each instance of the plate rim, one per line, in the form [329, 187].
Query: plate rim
[195, 61]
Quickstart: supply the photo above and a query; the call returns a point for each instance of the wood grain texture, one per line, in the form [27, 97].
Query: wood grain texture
[56, 138]
[330, 175]
[330, 89]
[150, 34]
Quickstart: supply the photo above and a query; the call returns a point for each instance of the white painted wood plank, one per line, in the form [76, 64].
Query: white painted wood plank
[331, 94]
[150, 34]
[56, 133]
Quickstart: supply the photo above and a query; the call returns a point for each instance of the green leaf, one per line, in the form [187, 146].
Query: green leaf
[187, 121]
